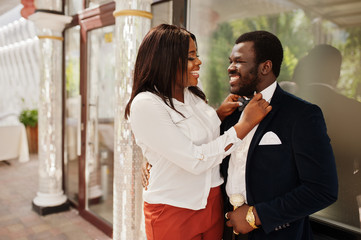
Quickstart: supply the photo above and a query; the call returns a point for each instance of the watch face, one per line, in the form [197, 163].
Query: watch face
[250, 218]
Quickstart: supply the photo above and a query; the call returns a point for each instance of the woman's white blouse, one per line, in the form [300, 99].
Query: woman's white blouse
[185, 152]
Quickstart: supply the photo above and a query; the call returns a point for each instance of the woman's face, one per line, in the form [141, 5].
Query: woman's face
[193, 66]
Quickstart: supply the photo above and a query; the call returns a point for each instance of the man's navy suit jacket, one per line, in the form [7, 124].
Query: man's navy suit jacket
[289, 181]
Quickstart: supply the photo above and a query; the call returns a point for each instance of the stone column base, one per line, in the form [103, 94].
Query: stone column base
[47, 203]
[41, 210]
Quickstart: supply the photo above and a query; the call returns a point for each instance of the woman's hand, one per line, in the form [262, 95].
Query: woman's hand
[256, 110]
[228, 106]
[146, 174]
[253, 114]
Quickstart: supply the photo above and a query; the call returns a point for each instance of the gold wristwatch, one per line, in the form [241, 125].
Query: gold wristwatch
[250, 218]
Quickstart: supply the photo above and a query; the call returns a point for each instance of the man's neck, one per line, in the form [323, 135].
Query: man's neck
[265, 84]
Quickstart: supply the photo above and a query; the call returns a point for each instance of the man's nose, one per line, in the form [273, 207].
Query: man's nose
[231, 68]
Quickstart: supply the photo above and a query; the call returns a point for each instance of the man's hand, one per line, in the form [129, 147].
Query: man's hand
[146, 174]
[237, 219]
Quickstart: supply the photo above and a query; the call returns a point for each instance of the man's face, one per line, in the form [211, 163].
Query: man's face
[242, 71]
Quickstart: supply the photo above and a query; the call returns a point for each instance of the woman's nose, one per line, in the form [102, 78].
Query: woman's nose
[199, 62]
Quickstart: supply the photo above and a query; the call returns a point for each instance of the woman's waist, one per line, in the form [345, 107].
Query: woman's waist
[164, 177]
[191, 198]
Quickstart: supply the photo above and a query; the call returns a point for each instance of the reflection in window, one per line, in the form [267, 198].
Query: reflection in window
[217, 26]
[162, 12]
[100, 122]
[72, 111]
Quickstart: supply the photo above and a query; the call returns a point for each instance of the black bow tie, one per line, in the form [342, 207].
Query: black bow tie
[244, 102]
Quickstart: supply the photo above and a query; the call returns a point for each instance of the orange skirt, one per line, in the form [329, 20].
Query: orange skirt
[164, 222]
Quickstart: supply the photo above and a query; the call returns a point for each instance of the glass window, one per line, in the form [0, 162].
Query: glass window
[72, 137]
[100, 122]
[72, 7]
[96, 3]
[162, 12]
[217, 24]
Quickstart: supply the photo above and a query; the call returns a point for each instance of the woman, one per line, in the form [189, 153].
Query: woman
[178, 133]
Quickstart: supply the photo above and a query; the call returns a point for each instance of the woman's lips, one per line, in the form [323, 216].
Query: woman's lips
[195, 74]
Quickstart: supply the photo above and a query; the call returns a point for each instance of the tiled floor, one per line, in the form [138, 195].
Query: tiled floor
[18, 187]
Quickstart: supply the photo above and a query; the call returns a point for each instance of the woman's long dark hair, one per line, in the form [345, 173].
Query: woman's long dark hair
[163, 51]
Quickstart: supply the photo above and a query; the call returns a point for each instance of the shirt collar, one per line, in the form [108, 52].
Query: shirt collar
[268, 92]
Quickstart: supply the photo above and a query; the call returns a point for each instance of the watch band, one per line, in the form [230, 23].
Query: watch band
[250, 218]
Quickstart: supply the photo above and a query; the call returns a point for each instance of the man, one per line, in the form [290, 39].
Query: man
[316, 76]
[285, 169]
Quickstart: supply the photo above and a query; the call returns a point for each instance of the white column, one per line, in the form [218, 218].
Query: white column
[133, 19]
[50, 27]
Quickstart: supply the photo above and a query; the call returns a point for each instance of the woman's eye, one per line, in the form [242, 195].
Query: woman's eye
[193, 58]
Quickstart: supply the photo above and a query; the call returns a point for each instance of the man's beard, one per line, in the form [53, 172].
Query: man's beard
[249, 89]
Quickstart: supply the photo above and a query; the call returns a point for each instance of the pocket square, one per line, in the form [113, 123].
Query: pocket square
[270, 138]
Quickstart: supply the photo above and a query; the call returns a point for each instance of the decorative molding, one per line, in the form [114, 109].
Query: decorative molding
[49, 11]
[132, 12]
[51, 37]
[50, 21]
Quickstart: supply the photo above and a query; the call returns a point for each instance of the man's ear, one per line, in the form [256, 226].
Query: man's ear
[266, 67]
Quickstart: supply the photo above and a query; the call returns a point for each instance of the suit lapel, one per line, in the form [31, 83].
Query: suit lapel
[276, 104]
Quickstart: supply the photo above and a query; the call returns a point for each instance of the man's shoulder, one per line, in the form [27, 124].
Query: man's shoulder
[295, 103]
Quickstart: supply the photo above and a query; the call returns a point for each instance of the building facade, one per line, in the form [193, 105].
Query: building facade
[73, 60]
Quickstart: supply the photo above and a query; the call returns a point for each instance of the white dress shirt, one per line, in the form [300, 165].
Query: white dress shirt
[185, 152]
[236, 182]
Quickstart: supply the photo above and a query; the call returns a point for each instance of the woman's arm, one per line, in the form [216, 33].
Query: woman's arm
[154, 128]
